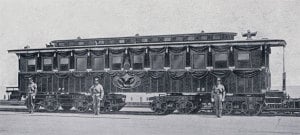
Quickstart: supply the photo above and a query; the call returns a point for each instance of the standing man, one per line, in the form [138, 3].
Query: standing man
[218, 96]
[31, 91]
[97, 93]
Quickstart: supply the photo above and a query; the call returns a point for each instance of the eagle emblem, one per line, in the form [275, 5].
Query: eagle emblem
[126, 81]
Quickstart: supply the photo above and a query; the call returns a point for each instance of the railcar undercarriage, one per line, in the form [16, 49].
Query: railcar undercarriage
[251, 105]
[81, 102]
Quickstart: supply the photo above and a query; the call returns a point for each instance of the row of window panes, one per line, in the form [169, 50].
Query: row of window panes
[156, 62]
[178, 39]
[145, 40]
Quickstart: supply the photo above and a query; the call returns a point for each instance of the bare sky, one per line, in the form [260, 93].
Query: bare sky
[36, 22]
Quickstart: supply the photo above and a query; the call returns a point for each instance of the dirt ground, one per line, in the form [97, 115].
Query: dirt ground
[15, 121]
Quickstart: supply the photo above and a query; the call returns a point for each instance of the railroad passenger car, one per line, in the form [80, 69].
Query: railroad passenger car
[184, 66]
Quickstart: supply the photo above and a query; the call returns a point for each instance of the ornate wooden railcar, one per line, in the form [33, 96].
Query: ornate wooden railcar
[184, 66]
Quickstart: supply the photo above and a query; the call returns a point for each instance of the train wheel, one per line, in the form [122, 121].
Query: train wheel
[251, 108]
[162, 109]
[171, 107]
[113, 108]
[185, 106]
[255, 109]
[82, 106]
[197, 108]
[170, 111]
[244, 107]
[159, 107]
[153, 105]
[66, 107]
[51, 104]
[228, 107]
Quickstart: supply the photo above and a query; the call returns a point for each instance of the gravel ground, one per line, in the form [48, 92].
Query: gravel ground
[18, 122]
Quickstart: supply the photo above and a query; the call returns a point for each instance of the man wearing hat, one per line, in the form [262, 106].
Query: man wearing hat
[97, 93]
[31, 91]
[218, 96]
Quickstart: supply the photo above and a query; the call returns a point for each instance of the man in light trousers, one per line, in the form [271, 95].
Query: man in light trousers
[97, 93]
[218, 96]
